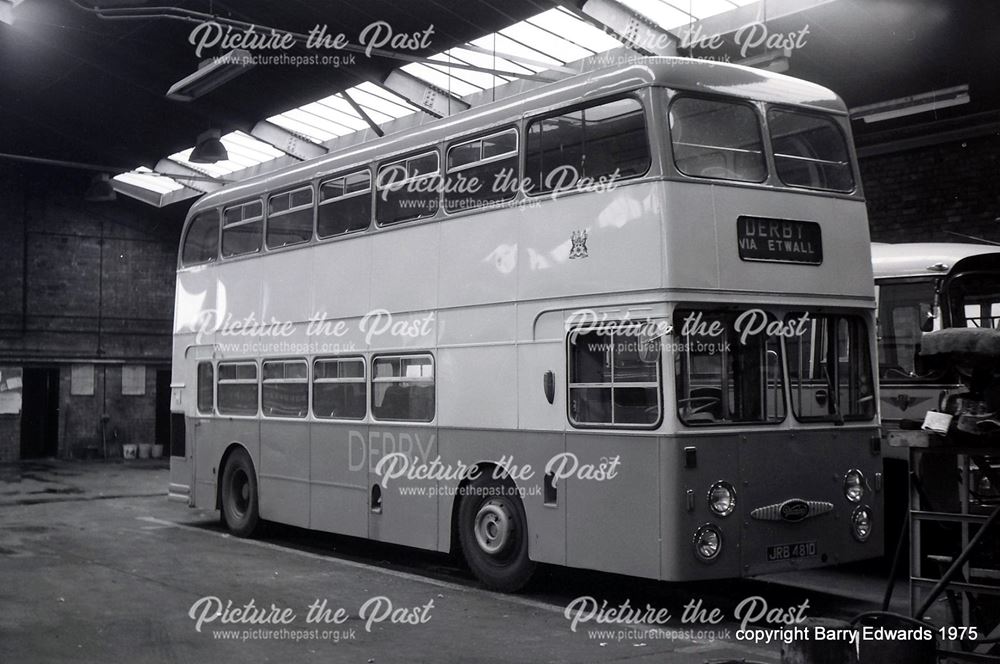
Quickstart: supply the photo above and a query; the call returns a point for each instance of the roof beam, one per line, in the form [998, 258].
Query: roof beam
[631, 28]
[364, 114]
[178, 171]
[423, 95]
[288, 142]
[153, 198]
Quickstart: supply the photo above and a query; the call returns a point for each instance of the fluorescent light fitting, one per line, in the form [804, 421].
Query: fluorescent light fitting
[7, 10]
[921, 103]
[210, 74]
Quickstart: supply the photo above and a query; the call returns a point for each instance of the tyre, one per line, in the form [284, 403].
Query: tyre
[493, 533]
[240, 507]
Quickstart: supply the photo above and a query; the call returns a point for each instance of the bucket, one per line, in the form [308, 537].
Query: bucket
[144, 450]
[129, 451]
[157, 452]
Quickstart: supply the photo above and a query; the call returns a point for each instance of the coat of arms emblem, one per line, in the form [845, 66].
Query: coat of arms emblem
[579, 248]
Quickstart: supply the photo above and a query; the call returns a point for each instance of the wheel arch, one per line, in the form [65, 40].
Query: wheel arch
[230, 449]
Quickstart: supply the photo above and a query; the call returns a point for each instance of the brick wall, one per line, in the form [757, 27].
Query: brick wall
[920, 194]
[84, 282]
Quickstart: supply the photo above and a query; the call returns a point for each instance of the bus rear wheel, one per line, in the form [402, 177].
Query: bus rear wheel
[240, 507]
[493, 533]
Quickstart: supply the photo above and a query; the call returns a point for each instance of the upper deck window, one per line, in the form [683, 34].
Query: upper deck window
[290, 218]
[717, 139]
[242, 227]
[408, 188]
[482, 171]
[603, 140]
[809, 151]
[345, 204]
[201, 244]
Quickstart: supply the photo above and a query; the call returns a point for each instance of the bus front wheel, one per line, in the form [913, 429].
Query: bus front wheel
[493, 533]
[240, 508]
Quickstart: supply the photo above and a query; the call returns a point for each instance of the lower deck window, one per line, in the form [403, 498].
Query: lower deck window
[237, 392]
[723, 376]
[614, 379]
[403, 388]
[339, 388]
[286, 389]
[829, 369]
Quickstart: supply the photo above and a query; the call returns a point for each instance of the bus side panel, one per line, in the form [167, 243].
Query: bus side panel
[404, 269]
[212, 439]
[844, 229]
[529, 451]
[612, 524]
[479, 259]
[621, 251]
[283, 473]
[695, 463]
[338, 479]
[408, 513]
[827, 455]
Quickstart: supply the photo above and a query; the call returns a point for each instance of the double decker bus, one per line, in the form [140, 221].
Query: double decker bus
[645, 346]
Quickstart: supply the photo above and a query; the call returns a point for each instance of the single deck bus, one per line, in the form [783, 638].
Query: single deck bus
[922, 287]
[644, 347]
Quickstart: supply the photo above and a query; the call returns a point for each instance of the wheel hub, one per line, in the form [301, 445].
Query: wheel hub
[493, 527]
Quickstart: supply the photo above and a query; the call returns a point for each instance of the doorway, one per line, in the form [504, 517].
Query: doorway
[40, 414]
[163, 408]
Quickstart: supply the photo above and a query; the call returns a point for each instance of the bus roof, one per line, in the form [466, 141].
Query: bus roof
[916, 259]
[676, 73]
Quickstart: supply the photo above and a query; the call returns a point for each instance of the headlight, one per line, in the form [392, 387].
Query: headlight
[707, 542]
[722, 499]
[861, 523]
[854, 486]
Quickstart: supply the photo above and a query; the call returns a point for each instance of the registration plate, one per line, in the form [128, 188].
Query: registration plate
[789, 551]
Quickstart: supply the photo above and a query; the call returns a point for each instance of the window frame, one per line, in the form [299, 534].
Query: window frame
[873, 370]
[716, 309]
[830, 118]
[339, 381]
[290, 210]
[612, 385]
[737, 101]
[237, 381]
[404, 159]
[319, 202]
[482, 161]
[372, 380]
[529, 120]
[218, 238]
[243, 222]
[285, 381]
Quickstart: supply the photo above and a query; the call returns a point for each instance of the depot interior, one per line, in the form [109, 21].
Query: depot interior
[103, 103]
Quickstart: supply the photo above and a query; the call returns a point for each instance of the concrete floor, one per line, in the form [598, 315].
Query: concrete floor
[92, 578]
